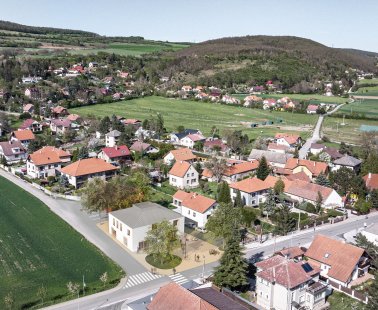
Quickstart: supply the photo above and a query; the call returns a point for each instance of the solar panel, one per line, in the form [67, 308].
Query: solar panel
[307, 267]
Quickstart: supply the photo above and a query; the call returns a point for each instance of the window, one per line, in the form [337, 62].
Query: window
[187, 182]
[128, 232]
[173, 180]
[188, 211]
[175, 222]
[194, 214]
[193, 181]
[193, 174]
[188, 174]
[113, 221]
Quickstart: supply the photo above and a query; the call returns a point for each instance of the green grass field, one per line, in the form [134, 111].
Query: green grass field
[367, 81]
[202, 115]
[312, 98]
[368, 107]
[348, 133]
[367, 91]
[38, 248]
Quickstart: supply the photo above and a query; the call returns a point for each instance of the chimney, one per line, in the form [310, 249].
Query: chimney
[369, 176]
[297, 161]
[180, 161]
[116, 147]
[314, 163]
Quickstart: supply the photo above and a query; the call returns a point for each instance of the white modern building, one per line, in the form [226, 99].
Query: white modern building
[183, 175]
[111, 138]
[13, 151]
[130, 226]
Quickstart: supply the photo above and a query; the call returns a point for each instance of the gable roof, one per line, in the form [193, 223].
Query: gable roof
[371, 180]
[315, 167]
[333, 152]
[271, 156]
[113, 133]
[252, 185]
[139, 146]
[342, 257]
[275, 146]
[23, 135]
[116, 151]
[28, 107]
[174, 296]
[312, 107]
[8, 146]
[195, 137]
[347, 160]
[215, 143]
[287, 272]
[299, 176]
[73, 117]
[180, 168]
[291, 139]
[194, 201]
[144, 214]
[307, 190]
[28, 123]
[87, 166]
[48, 155]
[61, 122]
[241, 168]
[58, 109]
[185, 133]
[291, 252]
[183, 154]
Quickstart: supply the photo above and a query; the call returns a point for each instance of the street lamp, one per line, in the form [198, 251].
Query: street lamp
[203, 270]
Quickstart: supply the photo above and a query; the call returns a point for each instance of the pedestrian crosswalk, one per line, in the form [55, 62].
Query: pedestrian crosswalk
[140, 278]
[178, 278]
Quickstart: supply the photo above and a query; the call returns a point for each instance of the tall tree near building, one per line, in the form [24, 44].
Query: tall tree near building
[284, 223]
[104, 126]
[279, 187]
[370, 165]
[224, 195]
[263, 169]
[217, 166]
[322, 180]
[233, 268]
[373, 294]
[269, 205]
[319, 201]
[238, 203]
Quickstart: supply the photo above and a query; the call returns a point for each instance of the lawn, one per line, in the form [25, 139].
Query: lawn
[340, 301]
[312, 98]
[39, 249]
[368, 81]
[367, 91]
[369, 107]
[202, 115]
[348, 133]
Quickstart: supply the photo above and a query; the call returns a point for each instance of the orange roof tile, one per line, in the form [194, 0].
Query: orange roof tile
[371, 181]
[194, 201]
[174, 296]
[241, 168]
[180, 168]
[23, 135]
[252, 185]
[315, 167]
[307, 190]
[88, 166]
[342, 257]
[291, 139]
[183, 154]
[48, 155]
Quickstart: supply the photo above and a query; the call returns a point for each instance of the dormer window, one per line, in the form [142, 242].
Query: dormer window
[326, 255]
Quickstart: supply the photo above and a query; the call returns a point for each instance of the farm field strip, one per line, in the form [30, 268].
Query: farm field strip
[201, 115]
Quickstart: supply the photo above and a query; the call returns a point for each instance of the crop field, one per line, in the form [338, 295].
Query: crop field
[348, 133]
[312, 98]
[39, 249]
[365, 106]
[203, 116]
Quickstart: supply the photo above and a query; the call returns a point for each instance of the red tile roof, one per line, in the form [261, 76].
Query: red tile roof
[183, 154]
[299, 176]
[291, 139]
[116, 151]
[173, 296]
[307, 190]
[371, 181]
[315, 167]
[216, 142]
[312, 107]
[275, 146]
[342, 257]
[245, 167]
[48, 155]
[195, 137]
[180, 168]
[88, 166]
[27, 123]
[139, 146]
[292, 252]
[194, 201]
[252, 185]
[23, 135]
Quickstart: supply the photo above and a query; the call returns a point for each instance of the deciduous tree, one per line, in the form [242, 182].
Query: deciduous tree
[217, 166]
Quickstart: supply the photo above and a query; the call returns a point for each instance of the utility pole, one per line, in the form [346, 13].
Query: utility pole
[203, 270]
[299, 220]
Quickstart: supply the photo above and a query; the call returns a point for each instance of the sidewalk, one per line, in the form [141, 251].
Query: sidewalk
[271, 241]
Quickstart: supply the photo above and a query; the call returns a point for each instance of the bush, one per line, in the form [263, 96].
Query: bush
[334, 213]
[308, 207]
[156, 261]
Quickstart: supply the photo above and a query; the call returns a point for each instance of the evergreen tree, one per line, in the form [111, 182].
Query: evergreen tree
[284, 222]
[263, 169]
[224, 195]
[319, 201]
[322, 180]
[233, 268]
[373, 294]
[269, 205]
[279, 187]
[104, 126]
[370, 164]
[238, 201]
[374, 199]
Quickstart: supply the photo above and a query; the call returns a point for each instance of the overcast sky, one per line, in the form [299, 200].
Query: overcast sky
[347, 23]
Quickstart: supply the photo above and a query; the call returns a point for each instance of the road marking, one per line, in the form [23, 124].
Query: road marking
[178, 278]
[140, 278]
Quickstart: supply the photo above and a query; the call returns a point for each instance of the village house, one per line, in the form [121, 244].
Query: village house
[303, 191]
[274, 159]
[32, 125]
[250, 100]
[347, 161]
[371, 233]
[59, 111]
[195, 207]
[28, 108]
[183, 175]
[143, 148]
[316, 148]
[142, 134]
[291, 141]
[24, 136]
[174, 296]
[338, 261]
[329, 154]
[130, 226]
[269, 104]
[371, 181]
[112, 138]
[136, 123]
[215, 147]
[31, 79]
[295, 253]
[13, 151]
[202, 96]
[33, 93]
[311, 109]
[116, 154]
[186, 88]
[75, 118]
[123, 74]
[229, 100]
[278, 148]
[234, 172]
[284, 284]
[84, 169]
[93, 64]
[311, 168]
[46, 162]
[252, 190]
[178, 136]
[183, 154]
[60, 126]
[190, 140]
